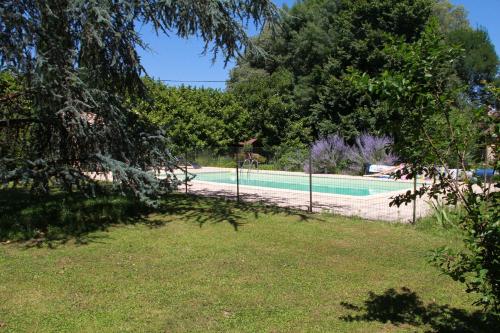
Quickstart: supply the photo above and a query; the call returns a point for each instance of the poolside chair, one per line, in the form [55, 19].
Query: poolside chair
[382, 171]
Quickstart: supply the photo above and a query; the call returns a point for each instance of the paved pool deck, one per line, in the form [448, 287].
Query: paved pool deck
[372, 207]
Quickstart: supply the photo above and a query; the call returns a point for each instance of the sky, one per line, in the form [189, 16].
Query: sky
[172, 58]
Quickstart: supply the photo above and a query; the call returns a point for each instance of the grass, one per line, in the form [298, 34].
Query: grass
[207, 265]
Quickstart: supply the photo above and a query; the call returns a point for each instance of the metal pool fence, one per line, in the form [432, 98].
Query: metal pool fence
[297, 179]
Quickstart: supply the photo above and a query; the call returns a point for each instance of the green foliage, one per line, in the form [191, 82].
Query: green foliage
[78, 60]
[15, 112]
[450, 17]
[480, 62]
[302, 78]
[247, 148]
[478, 265]
[195, 118]
[269, 103]
[445, 216]
[211, 158]
[435, 129]
[291, 155]
[305, 76]
[425, 98]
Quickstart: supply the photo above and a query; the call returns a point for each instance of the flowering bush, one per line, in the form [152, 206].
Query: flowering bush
[370, 149]
[328, 155]
[332, 155]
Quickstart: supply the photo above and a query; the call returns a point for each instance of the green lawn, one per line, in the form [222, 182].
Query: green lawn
[205, 265]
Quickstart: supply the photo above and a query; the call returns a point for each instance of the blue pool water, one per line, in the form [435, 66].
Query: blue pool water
[300, 182]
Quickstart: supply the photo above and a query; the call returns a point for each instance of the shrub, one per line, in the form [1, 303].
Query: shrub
[290, 156]
[370, 149]
[328, 155]
[477, 263]
[209, 158]
[244, 155]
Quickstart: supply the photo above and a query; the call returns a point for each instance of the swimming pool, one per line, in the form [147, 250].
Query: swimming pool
[300, 182]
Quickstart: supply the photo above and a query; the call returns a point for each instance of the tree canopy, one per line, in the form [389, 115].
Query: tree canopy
[479, 63]
[195, 118]
[77, 61]
[318, 42]
[309, 61]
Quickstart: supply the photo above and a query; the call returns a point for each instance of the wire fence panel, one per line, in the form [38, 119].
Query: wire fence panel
[213, 173]
[294, 180]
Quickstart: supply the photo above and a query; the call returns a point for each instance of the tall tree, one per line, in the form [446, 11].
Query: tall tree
[437, 130]
[78, 60]
[480, 62]
[321, 41]
[450, 17]
[318, 41]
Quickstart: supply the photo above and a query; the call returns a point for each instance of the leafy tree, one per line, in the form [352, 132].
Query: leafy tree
[450, 17]
[269, 103]
[318, 41]
[77, 60]
[15, 107]
[478, 264]
[435, 132]
[195, 118]
[418, 89]
[480, 62]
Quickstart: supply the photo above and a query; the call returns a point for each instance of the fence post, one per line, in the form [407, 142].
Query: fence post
[485, 164]
[186, 170]
[310, 182]
[414, 199]
[237, 176]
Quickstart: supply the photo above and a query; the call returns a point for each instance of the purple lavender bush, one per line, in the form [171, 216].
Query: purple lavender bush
[328, 155]
[370, 149]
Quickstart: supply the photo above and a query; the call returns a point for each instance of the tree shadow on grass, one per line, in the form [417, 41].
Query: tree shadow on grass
[406, 308]
[57, 218]
[204, 210]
